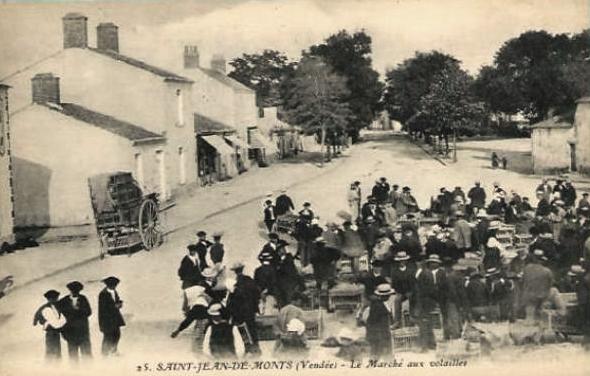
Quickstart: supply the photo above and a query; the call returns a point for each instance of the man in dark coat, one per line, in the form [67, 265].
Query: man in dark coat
[477, 296]
[455, 301]
[537, 279]
[378, 323]
[243, 305]
[217, 250]
[568, 194]
[323, 260]
[283, 203]
[543, 207]
[222, 339]
[76, 309]
[202, 248]
[381, 190]
[49, 316]
[270, 215]
[411, 245]
[427, 297]
[110, 319]
[197, 299]
[265, 276]
[189, 271]
[289, 281]
[477, 195]
[403, 281]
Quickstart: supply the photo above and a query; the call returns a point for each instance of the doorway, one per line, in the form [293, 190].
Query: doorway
[573, 166]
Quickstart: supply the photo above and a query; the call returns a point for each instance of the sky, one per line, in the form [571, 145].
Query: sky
[156, 31]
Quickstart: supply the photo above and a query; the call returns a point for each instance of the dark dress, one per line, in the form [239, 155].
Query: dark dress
[76, 331]
[378, 330]
[221, 342]
[110, 321]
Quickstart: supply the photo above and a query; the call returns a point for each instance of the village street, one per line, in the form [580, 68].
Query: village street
[150, 287]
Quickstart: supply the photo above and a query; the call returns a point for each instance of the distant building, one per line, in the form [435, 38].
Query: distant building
[285, 140]
[71, 143]
[112, 84]
[224, 100]
[562, 143]
[219, 159]
[6, 189]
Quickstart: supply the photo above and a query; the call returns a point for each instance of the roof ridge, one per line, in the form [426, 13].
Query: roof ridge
[162, 72]
[27, 67]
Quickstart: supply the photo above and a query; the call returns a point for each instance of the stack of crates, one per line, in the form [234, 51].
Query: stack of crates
[506, 236]
[405, 339]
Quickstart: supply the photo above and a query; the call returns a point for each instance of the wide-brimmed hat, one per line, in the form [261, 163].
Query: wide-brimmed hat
[209, 273]
[217, 234]
[384, 289]
[201, 233]
[401, 256]
[491, 271]
[559, 203]
[494, 225]
[75, 286]
[319, 239]
[51, 294]
[306, 204]
[434, 258]
[296, 326]
[192, 248]
[546, 235]
[460, 267]
[575, 270]
[215, 309]
[273, 235]
[406, 189]
[111, 281]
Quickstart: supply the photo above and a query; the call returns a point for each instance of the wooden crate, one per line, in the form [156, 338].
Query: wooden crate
[348, 297]
[266, 326]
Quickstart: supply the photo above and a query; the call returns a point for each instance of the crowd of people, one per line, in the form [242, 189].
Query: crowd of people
[449, 260]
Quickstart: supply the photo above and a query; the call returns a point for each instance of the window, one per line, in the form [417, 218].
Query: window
[139, 169]
[179, 108]
[162, 174]
[181, 167]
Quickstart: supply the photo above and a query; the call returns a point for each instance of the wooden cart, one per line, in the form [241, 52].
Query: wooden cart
[125, 218]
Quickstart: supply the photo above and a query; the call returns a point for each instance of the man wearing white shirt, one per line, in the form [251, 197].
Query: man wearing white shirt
[52, 321]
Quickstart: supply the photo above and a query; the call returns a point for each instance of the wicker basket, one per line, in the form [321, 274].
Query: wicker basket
[405, 339]
[458, 348]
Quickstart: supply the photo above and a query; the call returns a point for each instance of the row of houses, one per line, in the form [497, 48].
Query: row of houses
[88, 110]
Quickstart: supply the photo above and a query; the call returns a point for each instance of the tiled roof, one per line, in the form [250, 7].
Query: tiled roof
[224, 79]
[108, 123]
[203, 124]
[142, 65]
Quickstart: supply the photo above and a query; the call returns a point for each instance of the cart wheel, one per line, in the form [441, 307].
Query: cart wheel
[149, 226]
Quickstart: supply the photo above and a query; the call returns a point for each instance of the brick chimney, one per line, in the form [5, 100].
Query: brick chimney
[107, 37]
[75, 30]
[45, 88]
[218, 63]
[191, 57]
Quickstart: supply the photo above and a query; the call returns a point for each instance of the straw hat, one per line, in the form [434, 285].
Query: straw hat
[434, 258]
[384, 289]
[209, 273]
[491, 271]
[575, 270]
[401, 256]
[296, 326]
[214, 309]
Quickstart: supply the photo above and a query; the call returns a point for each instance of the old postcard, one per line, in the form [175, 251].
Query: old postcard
[264, 187]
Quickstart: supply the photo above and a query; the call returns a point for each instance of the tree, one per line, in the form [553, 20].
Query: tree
[533, 64]
[449, 104]
[314, 98]
[411, 80]
[262, 72]
[349, 55]
[499, 92]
